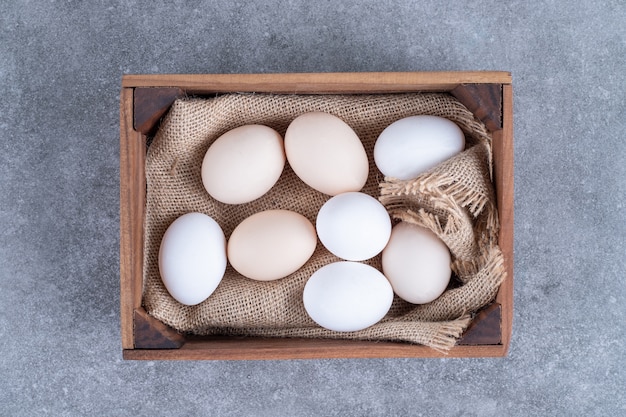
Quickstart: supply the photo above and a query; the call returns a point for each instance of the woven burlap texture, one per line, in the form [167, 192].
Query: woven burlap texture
[455, 200]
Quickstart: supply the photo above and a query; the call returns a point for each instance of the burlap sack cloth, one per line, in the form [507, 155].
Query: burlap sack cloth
[455, 200]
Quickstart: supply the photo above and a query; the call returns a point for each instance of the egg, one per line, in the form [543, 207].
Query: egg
[353, 226]
[415, 144]
[326, 154]
[243, 164]
[192, 258]
[347, 296]
[271, 244]
[416, 263]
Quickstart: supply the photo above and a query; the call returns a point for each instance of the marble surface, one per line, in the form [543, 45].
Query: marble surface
[61, 64]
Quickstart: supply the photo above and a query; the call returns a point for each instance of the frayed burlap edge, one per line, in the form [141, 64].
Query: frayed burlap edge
[461, 211]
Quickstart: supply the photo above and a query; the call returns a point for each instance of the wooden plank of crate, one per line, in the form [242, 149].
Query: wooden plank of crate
[486, 327]
[484, 100]
[150, 105]
[367, 82]
[132, 206]
[150, 333]
[228, 348]
[503, 177]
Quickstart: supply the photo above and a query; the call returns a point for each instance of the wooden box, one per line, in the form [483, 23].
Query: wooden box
[145, 99]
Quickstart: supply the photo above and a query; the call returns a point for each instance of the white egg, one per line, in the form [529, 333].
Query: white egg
[243, 164]
[353, 226]
[347, 296]
[326, 154]
[192, 258]
[416, 263]
[413, 145]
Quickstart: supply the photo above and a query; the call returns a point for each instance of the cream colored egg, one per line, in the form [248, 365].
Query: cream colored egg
[192, 258]
[271, 244]
[326, 153]
[416, 263]
[243, 164]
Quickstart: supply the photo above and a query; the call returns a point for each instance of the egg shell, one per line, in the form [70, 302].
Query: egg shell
[353, 226]
[416, 263]
[347, 296]
[326, 154]
[415, 144]
[243, 164]
[271, 244]
[192, 258]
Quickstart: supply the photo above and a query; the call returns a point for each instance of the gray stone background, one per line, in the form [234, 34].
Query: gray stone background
[61, 64]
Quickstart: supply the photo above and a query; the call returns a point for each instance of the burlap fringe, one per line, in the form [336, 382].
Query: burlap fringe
[458, 205]
[445, 190]
[461, 211]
